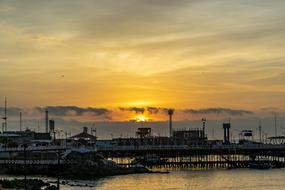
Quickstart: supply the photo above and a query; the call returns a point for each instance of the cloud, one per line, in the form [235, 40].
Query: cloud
[150, 110]
[153, 110]
[157, 110]
[72, 122]
[218, 111]
[11, 111]
[73, 110]
[270, 109]
[137, 110]
[114, 44]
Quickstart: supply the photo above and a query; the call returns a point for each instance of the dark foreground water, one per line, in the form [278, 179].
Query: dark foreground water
[216, 179]
[237, 179]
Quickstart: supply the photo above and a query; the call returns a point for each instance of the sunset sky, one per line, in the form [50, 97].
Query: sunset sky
[122, 54]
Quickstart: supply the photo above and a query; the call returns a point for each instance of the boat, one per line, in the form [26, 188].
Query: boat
[149, 160]
[260, 166]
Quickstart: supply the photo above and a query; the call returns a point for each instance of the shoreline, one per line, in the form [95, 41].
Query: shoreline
[92, 182]
[38, 182]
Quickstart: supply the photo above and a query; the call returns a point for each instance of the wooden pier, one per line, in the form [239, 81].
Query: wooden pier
[226, 156]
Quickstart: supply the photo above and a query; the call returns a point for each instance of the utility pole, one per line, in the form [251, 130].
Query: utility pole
[25, 165]
[275, 123]
[260, 132]
[5, 115]
[47, 124]
[170, 113]
[58, 169]
[204, 125]
[20, 121]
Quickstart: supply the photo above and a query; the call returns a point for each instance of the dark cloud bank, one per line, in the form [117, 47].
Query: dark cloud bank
[141, 110]
[12, 111]
[106, 127]
[79, 111]
[218, 111]
[68, 110]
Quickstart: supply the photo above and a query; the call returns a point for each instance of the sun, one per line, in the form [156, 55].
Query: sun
[141, 118]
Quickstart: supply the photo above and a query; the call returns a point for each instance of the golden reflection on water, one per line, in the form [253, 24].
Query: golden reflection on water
[239, 179]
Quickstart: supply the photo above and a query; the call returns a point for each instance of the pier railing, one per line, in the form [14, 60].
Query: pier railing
[193, 147]
[45, 148]
[32, 148]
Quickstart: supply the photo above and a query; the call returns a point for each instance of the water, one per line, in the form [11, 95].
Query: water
[218, 179]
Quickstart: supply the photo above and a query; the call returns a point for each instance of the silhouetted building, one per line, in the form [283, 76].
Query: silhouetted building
[170, 113]
[51, 126]
[189, 137]
[147, 141]
[15, 138]
[143, 133]
[180, 137]
[226, 127]
[84, 138]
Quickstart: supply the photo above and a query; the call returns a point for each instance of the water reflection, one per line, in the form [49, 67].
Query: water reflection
[240, 179]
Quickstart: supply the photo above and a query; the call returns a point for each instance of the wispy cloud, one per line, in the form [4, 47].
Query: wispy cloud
[133, 109]
[149, 110]
[219, 111]
[163, 51]
[73, 110]
[157, 110]
[12, 111]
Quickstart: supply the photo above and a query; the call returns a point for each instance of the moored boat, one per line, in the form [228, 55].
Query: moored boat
[260, 166]
[149, 160]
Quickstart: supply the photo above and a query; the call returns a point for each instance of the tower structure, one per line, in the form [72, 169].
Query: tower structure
[204, 120]
[260, 132]
[20, 121]
[170, 113]
[47, 122]
[227, 127]
[5, 116]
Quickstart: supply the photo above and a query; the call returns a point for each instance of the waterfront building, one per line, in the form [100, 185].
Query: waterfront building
[84, 138]
[179, 137]
[189, 137]
[16, 138]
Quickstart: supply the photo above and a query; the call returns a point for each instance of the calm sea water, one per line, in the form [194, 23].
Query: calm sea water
[236, 179]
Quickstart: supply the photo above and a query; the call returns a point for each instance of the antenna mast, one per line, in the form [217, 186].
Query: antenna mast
[260, 132]
[204, 125]
[5, 116]
[47, 124]
[170, 113]
[20, 121]
[275, 123]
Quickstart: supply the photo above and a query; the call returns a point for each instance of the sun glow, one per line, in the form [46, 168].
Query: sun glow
[141, 118]
[140, 103]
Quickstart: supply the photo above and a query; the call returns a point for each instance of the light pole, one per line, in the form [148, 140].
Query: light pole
[170, 113]
[58, 169]
[25, 165]
[204, 125]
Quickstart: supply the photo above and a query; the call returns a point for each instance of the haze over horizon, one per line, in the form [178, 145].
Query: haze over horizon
[129, 60]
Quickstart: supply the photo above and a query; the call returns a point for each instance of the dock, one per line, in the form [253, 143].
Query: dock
[225, 156]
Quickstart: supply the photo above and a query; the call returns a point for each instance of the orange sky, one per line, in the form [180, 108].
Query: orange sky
[181, 54]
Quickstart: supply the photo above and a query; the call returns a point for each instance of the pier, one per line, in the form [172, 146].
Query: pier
[225, 156]
[183, 148]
